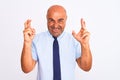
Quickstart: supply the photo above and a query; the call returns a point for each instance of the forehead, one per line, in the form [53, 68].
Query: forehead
[56, 15]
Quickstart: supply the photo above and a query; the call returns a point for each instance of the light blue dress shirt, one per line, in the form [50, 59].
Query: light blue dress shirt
[42, 52]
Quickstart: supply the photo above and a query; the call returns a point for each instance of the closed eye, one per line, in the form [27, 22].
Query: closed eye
[60, 20]
[50, 20]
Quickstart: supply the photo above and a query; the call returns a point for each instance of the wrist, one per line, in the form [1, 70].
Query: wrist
[85, 45]
[27, 43]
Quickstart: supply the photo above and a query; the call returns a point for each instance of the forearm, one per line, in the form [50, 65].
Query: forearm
[85, 61]
[27, 63]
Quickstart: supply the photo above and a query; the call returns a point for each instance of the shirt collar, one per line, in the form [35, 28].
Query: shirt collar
[59, 37]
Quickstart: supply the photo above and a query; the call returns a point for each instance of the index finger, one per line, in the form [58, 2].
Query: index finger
[83, 25]
[27, 24]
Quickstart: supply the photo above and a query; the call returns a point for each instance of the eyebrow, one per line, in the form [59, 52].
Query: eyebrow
[50, 19]
[61, 19]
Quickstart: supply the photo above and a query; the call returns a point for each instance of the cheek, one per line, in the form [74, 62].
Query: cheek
[50, 24]
[62, 26]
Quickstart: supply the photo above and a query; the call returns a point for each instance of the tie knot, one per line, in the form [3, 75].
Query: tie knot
[55, 38]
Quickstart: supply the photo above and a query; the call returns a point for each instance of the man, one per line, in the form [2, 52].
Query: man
[72, 47]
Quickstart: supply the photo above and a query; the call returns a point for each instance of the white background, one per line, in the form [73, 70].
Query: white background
[102, 19]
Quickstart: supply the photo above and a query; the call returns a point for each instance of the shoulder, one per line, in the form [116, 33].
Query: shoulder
[40, 36]
[69, 37]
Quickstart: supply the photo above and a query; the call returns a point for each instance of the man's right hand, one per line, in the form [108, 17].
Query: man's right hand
[27, 62]
[28, 32]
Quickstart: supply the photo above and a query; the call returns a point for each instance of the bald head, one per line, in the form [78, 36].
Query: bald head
[56, 8]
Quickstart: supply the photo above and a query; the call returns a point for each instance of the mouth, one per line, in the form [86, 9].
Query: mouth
[56, 30]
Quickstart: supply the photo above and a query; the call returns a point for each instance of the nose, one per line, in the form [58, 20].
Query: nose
[56, 25]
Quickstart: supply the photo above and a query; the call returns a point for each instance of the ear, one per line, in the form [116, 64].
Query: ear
[66, 17]
[46, 16]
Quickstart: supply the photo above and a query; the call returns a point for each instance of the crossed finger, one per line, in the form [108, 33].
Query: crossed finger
[83, 25]
[27, 24]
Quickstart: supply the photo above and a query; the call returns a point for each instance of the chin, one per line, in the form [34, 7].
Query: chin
[55, 35]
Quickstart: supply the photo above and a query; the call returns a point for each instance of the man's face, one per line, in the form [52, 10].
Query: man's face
[56, 21]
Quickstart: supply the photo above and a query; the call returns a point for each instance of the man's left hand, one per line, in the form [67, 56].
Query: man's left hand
[83, 35]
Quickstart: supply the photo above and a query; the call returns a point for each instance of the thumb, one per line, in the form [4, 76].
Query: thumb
[74, 34]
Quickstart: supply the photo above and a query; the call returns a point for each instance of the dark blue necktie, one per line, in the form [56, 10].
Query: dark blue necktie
[56, 61]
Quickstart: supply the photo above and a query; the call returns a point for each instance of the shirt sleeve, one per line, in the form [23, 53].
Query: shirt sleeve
[77, 49]
[34, 52]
